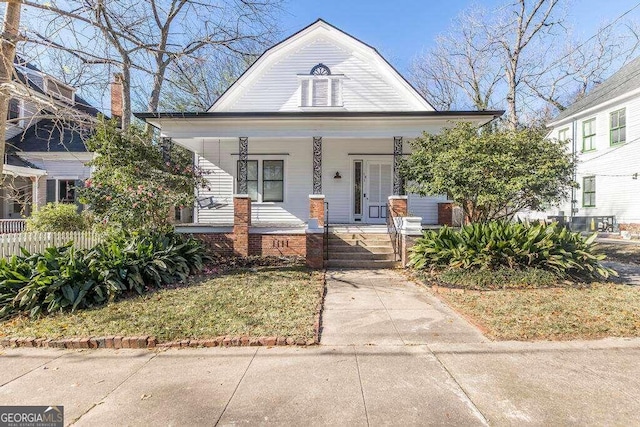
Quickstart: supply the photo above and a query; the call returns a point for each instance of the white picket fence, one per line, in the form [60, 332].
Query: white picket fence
[38, 241]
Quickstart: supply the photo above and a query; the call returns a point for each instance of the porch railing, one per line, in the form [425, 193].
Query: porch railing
[394, 235]
[12, 226]
[326, 231]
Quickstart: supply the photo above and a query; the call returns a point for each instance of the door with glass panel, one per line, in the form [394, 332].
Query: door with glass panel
[378, 187]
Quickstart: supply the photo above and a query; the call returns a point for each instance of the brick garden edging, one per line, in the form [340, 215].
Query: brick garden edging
[151, 342]
[141, 342]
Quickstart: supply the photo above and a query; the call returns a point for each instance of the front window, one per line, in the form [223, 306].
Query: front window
[589, 135]
[13, 113]
[67, 191]
[252, 179]
[589, 191]
[563, 134]
[618, 127]
[270, 180]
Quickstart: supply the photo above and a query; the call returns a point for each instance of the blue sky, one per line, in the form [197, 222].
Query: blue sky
[400, 29]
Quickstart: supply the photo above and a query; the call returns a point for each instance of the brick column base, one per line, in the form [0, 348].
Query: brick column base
[315, 249]
[398, 206]
[316, 208]
[445, 214]
[241, 224]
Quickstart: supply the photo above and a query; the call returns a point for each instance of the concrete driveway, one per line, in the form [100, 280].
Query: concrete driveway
[391, 354]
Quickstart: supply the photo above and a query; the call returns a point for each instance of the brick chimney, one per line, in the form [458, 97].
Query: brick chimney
[116, 98]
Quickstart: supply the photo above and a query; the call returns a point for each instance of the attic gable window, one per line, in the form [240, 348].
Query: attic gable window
[320, 88]
[59, 90]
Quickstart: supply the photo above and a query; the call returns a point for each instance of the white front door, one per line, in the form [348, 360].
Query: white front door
[378, 188]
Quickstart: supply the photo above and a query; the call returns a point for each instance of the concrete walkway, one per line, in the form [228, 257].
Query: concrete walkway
[391, 355]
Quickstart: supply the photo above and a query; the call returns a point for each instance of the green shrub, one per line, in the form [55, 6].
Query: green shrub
[68, 279]
[59, 217]
[488, 246]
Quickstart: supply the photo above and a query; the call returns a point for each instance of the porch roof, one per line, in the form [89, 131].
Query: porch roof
[189, 128]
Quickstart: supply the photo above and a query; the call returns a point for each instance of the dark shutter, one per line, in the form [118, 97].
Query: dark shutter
[51, 191]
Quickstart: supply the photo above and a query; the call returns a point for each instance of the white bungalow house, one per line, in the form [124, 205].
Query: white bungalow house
[604, 130]
[319, 117]
[45, 158]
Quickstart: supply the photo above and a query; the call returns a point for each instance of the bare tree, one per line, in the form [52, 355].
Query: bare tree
[7, 55]
[463, 70]
[522, 56]
[143, 39]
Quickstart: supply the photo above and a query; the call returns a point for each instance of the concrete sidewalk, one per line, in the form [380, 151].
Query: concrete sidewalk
[396, 357]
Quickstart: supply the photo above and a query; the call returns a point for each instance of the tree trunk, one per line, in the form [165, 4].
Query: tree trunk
[7, 54]
[126, 94]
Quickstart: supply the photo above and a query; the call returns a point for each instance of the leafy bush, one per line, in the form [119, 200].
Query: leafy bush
[68, 279]
[489, 246]
[59, 217]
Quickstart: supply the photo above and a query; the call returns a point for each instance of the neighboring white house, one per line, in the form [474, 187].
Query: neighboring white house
[320, 113]
[45, 158]
[604, 131]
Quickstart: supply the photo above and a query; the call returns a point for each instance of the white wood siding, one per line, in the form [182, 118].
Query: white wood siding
[613, 166]
[366, 85]
[220, 162]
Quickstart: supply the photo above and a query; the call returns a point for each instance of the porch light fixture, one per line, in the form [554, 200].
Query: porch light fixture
[337, 176]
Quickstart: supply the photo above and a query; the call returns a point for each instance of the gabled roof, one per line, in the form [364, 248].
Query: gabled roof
[23, 68]
[320, 23]
[623, 81]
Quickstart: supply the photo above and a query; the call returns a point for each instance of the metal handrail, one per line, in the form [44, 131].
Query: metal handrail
[392, 230]
[326, 231]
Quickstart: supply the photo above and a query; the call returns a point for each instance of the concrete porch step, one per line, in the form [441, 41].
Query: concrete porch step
[363, 237]
[347, 250]
[369, 264]
[360, 243]
[389, 256]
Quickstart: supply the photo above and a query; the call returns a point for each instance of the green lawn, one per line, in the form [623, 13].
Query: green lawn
[275, 301]
[595, 311]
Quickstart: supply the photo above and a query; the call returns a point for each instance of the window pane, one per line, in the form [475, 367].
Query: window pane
[272, 191]
[252, 170]
[252, 190]
[66, 191]
[272, 169]
[614, 120]
[621, 118]
[622, 135]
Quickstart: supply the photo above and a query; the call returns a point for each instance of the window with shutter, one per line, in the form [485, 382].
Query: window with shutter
[321, 88]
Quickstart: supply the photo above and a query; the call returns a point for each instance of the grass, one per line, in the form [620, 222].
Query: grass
[621, 252]
[264, 302]
[502, 278]
[595, 311]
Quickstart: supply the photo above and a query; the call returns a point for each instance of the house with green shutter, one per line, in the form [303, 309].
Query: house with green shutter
[603, 131]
